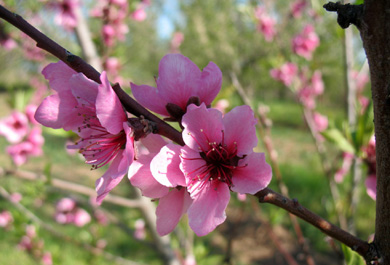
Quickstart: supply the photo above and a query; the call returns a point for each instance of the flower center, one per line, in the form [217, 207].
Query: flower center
[97, 145]
[220, 160]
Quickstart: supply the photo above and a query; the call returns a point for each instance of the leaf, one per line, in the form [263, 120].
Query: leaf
[335, 136]
[351, 257]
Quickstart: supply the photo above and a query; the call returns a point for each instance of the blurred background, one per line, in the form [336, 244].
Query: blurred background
[288, 59]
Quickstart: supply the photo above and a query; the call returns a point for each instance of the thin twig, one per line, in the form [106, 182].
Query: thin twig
[269, 196]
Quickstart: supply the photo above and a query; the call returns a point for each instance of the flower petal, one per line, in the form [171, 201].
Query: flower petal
[83, 89]
[150, 98]
[240, 129]
[58, 75]
[118, 168]
[208, 208]
[170, 209]
[109, 109]
[191, 165]
[165, 166]
[202, 126]
[252, 174]
[153, 142]
[58, 111]
[141, 177]
[211, 80]
[179, 79]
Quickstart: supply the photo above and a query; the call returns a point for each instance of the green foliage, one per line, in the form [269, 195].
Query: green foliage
[351, 257]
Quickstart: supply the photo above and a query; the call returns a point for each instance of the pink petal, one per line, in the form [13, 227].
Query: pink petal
[208, 209]
[170, 209]
[109, 109]
[211, 83]
[150, 98]
[240, 129]
[153, 142]
[58, 111]
[179, 79]
[201, 126]
[118, 168]
[83, 88]
[191, 164]
[371, 186]
[165, 166]
[252, 174]
[58, 75]
[141, 177]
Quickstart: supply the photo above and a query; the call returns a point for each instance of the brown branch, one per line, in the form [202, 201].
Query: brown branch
[292, 206]
[79, 65]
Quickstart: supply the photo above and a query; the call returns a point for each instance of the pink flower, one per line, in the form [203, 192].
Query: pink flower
[190, 260]
[47, 259]
[16, 197]
[5, 218]
[320, 122]
[14, 127]
[218, 157]
[361, 79]
[222, 105]
[297, 8]
[177, 39]
[66, 16]
[30, 112]
[309, 91]
[371, 186]
[346, 166]
[179, 83]
[139, 14]
[174, 199]
[140, 232]
[241, 197]
[95, 113]
[65, 205]
[266, 24]
[286, 73]
[81, 217]
[306, 42]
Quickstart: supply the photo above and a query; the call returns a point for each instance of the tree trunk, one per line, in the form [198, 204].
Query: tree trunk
[375, 33]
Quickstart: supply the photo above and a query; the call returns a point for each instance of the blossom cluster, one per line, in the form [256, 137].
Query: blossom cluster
[23, 133]
[195, 179]
[35, 246]
[67, 212]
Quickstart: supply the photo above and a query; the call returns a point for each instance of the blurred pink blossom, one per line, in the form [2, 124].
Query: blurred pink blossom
[5, 218]
[81, 217]
[285, 74]
[241, 197]
[16, 197]
[222, 105]
[297, 8]
[371, 186]
[47, 259]
[101, 217]
[266, 24]
[139, 14]
[140, 232]
[361, 79]
[14, 127]
[30, 112]
[190, 260]
[65, 205]
[309, 91]
[343, 171]
[177, 39]
[31, 147]
[306, 42]
[320, 122]
[7, 43]
[65, 13]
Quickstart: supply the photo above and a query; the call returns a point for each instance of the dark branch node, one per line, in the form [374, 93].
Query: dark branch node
[346, 14]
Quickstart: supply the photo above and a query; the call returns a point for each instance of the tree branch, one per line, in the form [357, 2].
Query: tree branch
[362, 247]
[346, 14]
[79, 65]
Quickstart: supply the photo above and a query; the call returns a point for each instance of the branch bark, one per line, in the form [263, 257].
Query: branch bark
[373, 24]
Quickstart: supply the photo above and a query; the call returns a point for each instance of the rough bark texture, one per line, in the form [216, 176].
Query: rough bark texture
[375, 33]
